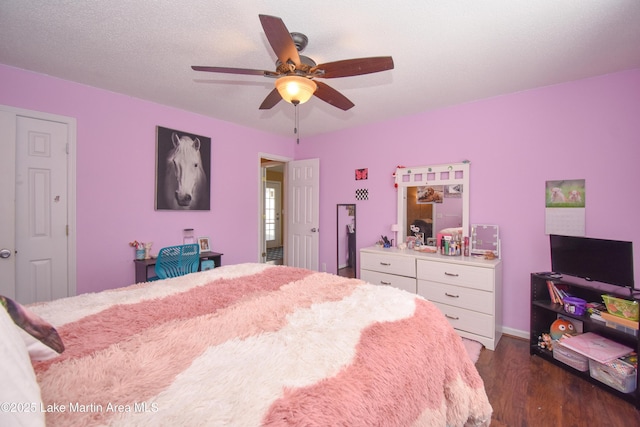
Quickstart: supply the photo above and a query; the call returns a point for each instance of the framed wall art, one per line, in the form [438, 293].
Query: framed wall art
[183, 171]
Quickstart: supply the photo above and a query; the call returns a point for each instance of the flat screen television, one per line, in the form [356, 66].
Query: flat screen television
[601, 260]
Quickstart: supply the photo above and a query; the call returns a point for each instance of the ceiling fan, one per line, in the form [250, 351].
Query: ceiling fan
[295, 74]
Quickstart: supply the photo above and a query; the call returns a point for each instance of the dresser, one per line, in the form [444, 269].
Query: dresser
[468, 290]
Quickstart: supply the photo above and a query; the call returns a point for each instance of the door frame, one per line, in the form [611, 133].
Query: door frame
[71, 186]
[262, 243]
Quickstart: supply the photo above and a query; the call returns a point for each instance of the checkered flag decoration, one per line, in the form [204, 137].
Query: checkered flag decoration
[362, 194]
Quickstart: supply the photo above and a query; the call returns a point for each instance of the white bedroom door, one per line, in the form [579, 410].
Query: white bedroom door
[38, 255]
[303, 213]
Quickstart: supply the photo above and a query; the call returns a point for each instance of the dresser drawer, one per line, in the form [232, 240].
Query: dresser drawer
[376, 278]
[467, 320]
[456, 274]
[472, 299]
[387, 263]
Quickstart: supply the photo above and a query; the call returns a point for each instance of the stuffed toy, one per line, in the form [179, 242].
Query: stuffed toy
[544, 341]
[561, 327]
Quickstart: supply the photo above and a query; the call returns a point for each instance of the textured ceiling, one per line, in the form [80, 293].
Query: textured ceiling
[445, 52]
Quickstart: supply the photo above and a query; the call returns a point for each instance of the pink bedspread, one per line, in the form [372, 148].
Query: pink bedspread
[252, 345]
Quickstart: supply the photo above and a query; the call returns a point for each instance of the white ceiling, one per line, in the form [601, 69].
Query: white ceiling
[445, 52]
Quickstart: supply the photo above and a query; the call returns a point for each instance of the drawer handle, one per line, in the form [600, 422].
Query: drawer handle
[386, 264]
[451, 274]
[451, 295]
[452, 317]
[382, 282]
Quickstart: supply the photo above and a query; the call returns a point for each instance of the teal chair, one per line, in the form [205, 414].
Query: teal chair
[174, 261]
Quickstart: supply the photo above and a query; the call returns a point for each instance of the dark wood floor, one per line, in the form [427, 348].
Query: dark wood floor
[526, 390]
[346, 272]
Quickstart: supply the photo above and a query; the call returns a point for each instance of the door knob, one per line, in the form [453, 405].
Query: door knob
[5, 253]
[313, 230]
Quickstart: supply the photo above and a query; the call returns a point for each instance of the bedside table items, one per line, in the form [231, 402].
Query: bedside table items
[142, 250]
[139, 249]
[188, 237]
[147, 250]
[385, 242]
[451, 245]
[204, 243]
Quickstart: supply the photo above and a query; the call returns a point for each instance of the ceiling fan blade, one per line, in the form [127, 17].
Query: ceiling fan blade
[271, 100]
[332, 96]
[354, 67]
[235, 71]
[280, 39]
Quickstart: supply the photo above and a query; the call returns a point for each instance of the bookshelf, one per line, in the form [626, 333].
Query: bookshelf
[544, 312]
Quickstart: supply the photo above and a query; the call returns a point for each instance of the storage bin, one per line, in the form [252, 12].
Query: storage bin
[570, 357]
[622, 307]
[622, 328]
[574, 305]
[617, 374]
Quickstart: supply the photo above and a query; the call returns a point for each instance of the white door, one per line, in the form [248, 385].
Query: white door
[38, 206]
[303, 213]
[272, 212]
[7, 205]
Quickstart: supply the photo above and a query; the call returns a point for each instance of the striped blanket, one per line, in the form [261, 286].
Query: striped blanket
[255, 344]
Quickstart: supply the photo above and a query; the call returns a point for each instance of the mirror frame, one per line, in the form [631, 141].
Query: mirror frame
[483, 246]
[355, 256]
[446, 174]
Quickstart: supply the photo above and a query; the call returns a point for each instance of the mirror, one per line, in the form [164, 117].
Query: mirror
[485, 238]
[433, 199]
[346, 243]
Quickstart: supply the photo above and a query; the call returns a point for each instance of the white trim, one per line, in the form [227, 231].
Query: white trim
[71, 185]
[261, 237]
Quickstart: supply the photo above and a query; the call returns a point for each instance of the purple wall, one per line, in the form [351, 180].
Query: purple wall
[584, 129]
[116, 173]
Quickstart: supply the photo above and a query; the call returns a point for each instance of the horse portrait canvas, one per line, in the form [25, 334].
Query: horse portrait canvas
[183, 171]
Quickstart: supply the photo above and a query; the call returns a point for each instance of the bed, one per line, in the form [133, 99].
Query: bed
[246, 345]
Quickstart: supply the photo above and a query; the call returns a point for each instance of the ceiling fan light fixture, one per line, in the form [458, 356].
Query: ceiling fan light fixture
[295, 89]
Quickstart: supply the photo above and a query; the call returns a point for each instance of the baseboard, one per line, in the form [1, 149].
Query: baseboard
[516, 333]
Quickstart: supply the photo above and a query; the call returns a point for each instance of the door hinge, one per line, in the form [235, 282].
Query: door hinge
[67, 148]
[67, 229]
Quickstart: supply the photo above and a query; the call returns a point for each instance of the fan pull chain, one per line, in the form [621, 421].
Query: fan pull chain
[296, 124]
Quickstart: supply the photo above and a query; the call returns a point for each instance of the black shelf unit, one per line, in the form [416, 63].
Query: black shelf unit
[544, 312]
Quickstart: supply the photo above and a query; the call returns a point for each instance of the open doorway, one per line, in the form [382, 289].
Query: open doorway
[272, 226]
